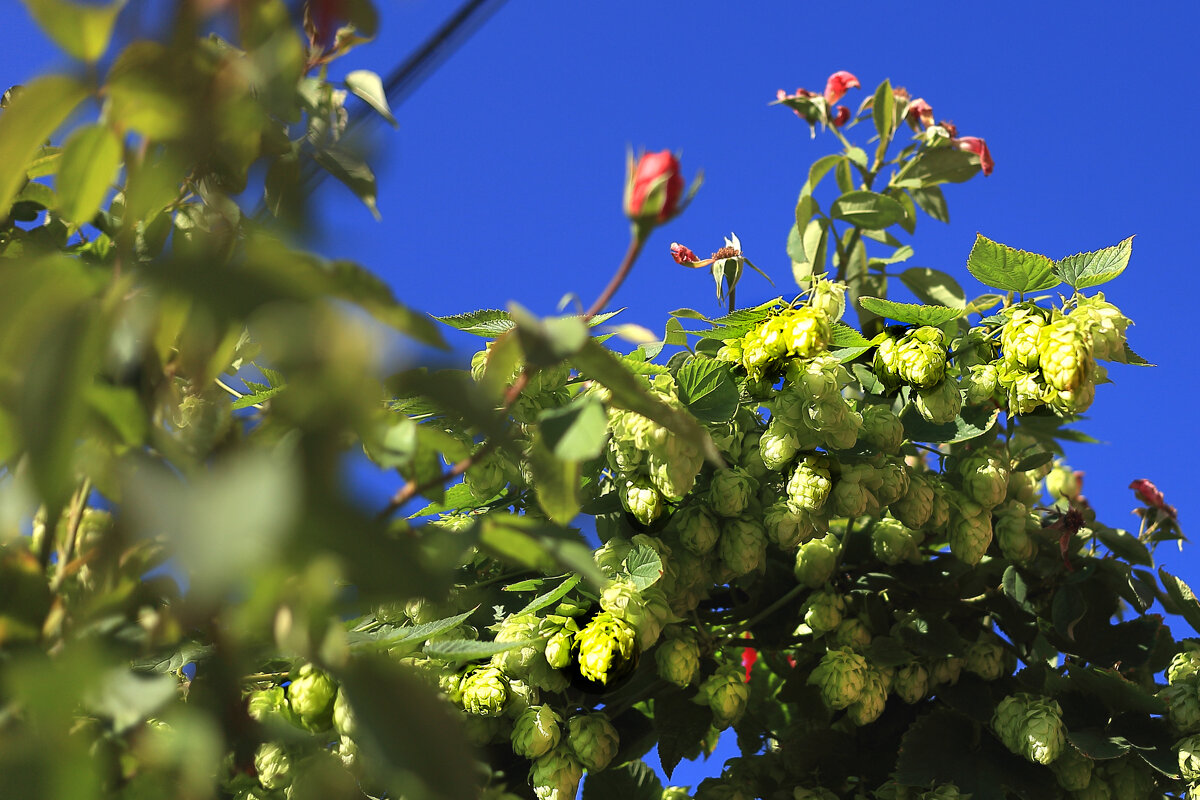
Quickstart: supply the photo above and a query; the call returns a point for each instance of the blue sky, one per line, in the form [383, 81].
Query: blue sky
[503, 181]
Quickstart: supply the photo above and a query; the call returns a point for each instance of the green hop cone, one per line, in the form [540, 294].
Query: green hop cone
[556, 775]
[850, 497]
[1185, 665]
[887, 362]
[642, 500]
[1012, 534]
[606, 648]
[743, 545]
[268, 704]
[986, 657]
[940, 403]
[816, 559]
[1023, 487]
[730, 492]
[1096, 789]
[841, 676]
[871, 700]
[593, 740]
[823, 611]
[273, 765]
[536, 732]
[623, 600]
[892, 541]
[881, 429]
[519, 661]
[808, 331]
[485, 691]
[946, 670]
[980, 384]
[970, 532]
[892, 484]
[1073, 770]
[485, 479]
[1031, 726]
[852, 633]
[1019, 338]
[911, 683]
[1026, 392]
[974, 349]
[1183, 706]
[559, 644]
[678, 660]
[916, 504]
[610, 556]
[1065, 354]
[1129, 777]
[696, 528]
[787, 527]
[343, 716]
[921, 357]
[809, 486]
[1069, 403]
[1062, 482]
[828, 296]
[674, 466]
[675, 793]
[985, 479]
[777, 446]
[1007, 719]
[311, 695]
[1104, 324]
[1188, 750]
[726, 694]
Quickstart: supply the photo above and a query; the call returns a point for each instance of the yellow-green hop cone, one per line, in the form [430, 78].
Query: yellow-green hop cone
[777, 446]
[606, 648]
[1019, 338]
[1067, 404]
[881, 430]
[485, 692]
[850, 497]
[1183, 706]
[556, 775]
[611, 555]
[980, 384]
[915, 506]
[946, 670]
[921, 357]
[808, 331]
[274, 766]
[787, 527]
[1104, 324]
[985, 479]
[536, 732]
[871, 700]
[841, 676]
[1188, 750]
[828, 296]
[678, 660]
[1065, 354]
[1007, 719]
[310, 695]
[1185, 665]
[852, 633]
[816, 559]
[1012, 534]
[517, 663]
[892, 541]
[970, 532]
[675, 793]
[743, 545]
[1073, 770]
[272, 703]
[726, 694]
[1062, 482]
[809, 486]
[911, 683]
[823, 611]
[1025, 390]
[731, 491]
[1043, 734]
[344, 721]
[891, 481]
[623, 600]
[940, 403]
[559, 644]
[887, 362]
[642, 500]
[696, 529]
[986, 657]
[593, 740]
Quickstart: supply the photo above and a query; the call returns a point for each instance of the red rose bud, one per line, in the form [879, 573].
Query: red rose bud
[654, 188]
[920, 112]
[973, 144]
[682, 255]
[749, 656]
[1149, 494]
[838, 84]
[841, 117]
[951, 128]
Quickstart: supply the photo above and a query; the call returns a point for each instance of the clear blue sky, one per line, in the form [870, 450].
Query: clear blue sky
[504, 179]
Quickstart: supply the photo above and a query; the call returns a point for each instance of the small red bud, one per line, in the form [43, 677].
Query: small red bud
[920, 112]
[837, 85]
[655, 171]
[842, 117]
[682, 255]
[973, 144]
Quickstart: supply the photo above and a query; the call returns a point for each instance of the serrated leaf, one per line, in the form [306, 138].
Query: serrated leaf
[867, 209]
[681, 726]
[83, 30]
[909, 312]
[644, 565]
[934, 286]
[1182, 597]
[387, 638]
[1133, 359]
[575, 431]
[706, 386]
[549, 598]
[1084, 270]
[455, 650]
[631, 781]
[367, 85]
[36, 111]
[1003, 267]
[492, 322]
[971, 423]
[845, 336]
[937, 165]
[91, 158]
[246, 401]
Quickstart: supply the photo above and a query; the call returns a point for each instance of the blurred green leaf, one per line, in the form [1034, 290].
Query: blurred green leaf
[143, 92]
[387, 637]
[353, 172]
[366, 84]
[931, 200]
[867, 209]
[1182, 597]
[37, 110]
[883, 111]
[81, 29]
[632, 781]
[128, 698]
[549, 598]
[91, 158]
[938, 165]
[934, 286]
[556, 481]
[575, 431]
[458, 650]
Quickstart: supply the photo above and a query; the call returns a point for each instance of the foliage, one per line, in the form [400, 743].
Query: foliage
[857, 548]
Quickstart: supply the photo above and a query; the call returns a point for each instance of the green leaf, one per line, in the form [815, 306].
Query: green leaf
[366, 84]
[845, 336]
[707, 388]
[91, 158]
[813, 251]
[470, 649]
[1084, 270]
[1068, 608]
[934, 286]
[816, 172]
[681, 726]
[575, 431]
[631, 781]
[348, 281]
[884, 110]
[538, 545]
[931, 200]
[353, 172]
[909, 312]
[389, 637]
[1002, 267]
[83, 30]
[386, 700]
[549, 598]
[128, 698]
[1123, 544]
[144, 94]
[1096, 745]
[974, 421]
[1182, 597]
[36, 111]
[1116, 692]
[939, 165]
[556, 481]
[867, 209]
[246, 401]
[902, 254]
[644, 565]
[492, 322]
[1033, 461]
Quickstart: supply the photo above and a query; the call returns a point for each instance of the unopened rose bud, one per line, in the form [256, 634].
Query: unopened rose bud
[973, 144]
[920, 112]
[683, 255]
[654, 188]
[838, 84]
[841, 117]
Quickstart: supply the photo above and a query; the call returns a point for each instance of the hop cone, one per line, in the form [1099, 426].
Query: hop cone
[974, 349]
[642, 500]
[777, 446]
[849, 497]
[1011, 534]
[915, 505]
[823, 611]
[970, 532]
[946, 670]
[892, 541]
[678, 660]
[273, 765]
[1104, 324]
[743, 545]
[921, 357]
[1129, 777]
[887, 362]
[485, 692]
[726, 694]
[1019, 339]
[815, 560]
[841, 676]
[986, 657]
[485, 479]
[606, 648]
[536, 732]
[787, 527]
[622, 599]
[1185, 666]
[559, 644]
[881, 429]
[940, 403]
[808, 331]
[852, 633]
[1183, 706]
[980, 384]
[985, 480]
[1073, 770]
[1031, 726]
[674, 466]
[911, 683]
[675, 793]
[829, 297]
[593, 740]
[1062, 482]
[343, 716]
[556, 775]
[1025, 391]
[1065, 355]
[270, 703]
[611, 555]
[310, 695]
[809, 485]
[730, 492]
[696, 528]
[871, 700]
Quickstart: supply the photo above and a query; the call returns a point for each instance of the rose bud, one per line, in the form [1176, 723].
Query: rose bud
[920, 112]
[683, 255]
[837, 85]
[973, 144]
[654, 188]
[841, 117]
